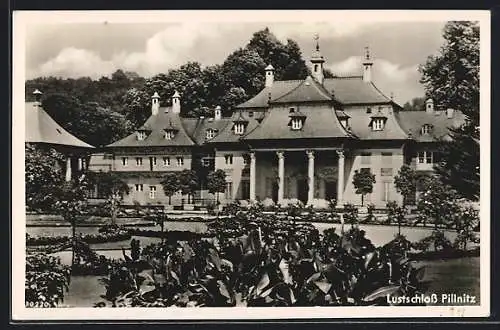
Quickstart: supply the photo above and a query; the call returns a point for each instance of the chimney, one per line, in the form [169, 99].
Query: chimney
[429, 106]
[38, 97]
[176, 102]
[155, 104]
[269, 75]
[218, 113]
[449, 113]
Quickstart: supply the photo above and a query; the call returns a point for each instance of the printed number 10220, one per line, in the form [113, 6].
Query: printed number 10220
[37, 304]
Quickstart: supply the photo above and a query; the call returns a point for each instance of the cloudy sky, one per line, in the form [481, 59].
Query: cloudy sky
[97, 49]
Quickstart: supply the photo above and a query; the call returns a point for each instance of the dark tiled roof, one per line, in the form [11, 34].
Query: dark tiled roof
[359, 122]
[278, 89]
[353, 90]
[308, 90]
[412, 122]
[157, 124]
[227, 134]
[197, 127]
[346, 90]
[41, 128]
[321, 122]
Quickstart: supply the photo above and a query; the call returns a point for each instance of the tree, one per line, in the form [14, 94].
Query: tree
[188, 181]
[416, 104]
[112, 187]
[406, 182]
[171, 185]
[451, 78]
[216, 182]
[71, 204]
[43, 175]
[363, 183]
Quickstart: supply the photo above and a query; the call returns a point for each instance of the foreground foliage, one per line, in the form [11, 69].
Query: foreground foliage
[255, 260]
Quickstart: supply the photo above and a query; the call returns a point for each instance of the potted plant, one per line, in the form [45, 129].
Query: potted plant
[188, 181]
[171, 185]
[363, 181]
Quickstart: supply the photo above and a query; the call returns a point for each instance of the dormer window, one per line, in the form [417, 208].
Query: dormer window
[141, 135]
[344, 122]
[210, 134]
[426, 129]
[239, 128]
[297, 123]
[169, 134]
[378, 124]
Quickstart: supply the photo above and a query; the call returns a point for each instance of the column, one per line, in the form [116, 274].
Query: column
[281, 175]
[80, 164]
[252, 176]
[340, 181]
[68, 168]
[310, 175]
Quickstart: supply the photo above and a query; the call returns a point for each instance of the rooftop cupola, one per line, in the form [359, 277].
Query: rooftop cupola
[38, 97]
[218, 113]
[176, 102]
[269, 75]
[155, 103]
[317, 61]
[367, 66]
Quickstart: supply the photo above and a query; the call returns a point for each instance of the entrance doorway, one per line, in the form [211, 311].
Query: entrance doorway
[330, 190]
[302, 188]
[275, 188]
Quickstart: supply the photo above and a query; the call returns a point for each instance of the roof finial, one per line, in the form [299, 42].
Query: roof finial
[316, 37]
[367, 53]
[392, 96]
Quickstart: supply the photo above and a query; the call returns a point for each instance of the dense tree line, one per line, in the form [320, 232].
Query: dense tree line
[105, 110]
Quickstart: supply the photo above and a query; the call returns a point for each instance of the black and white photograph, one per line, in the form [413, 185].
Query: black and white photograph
[250, 164]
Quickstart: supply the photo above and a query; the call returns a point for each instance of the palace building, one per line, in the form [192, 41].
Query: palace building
[296, 140]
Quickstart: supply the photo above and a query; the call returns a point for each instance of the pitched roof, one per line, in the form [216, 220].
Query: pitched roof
[412, 122]
[321, 122]
[278, 89]
[156, 125]
[197, 127]
[41, 128]
[227, 134]
[360, 121]
[353, 90]
[346, 90]
[309, 90]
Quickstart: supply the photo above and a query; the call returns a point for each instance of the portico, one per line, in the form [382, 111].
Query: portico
[287, 175]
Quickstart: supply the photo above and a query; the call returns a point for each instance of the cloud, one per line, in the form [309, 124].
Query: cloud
[402, 81]
[74, 62]
[307, 30]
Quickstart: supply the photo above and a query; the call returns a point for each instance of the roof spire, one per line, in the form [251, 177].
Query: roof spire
[367, 53]
[316, 37]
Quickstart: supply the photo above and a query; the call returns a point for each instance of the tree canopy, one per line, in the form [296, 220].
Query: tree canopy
[451, 78]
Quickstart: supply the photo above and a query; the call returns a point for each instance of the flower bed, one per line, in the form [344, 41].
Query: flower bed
[102, 237]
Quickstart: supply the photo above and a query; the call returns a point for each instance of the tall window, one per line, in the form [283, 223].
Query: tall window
[228, 159]
[138, 161]
[152, 192]
[246, 159]
[125, 161]
[166, 161]
[386, 191]
[425, 157]
[245, 189]
[368, 110]
[180, 161]
[366, 157]
[139, 187]
[296, 123]
[378, 124]
[153, 161]
[229, 190]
